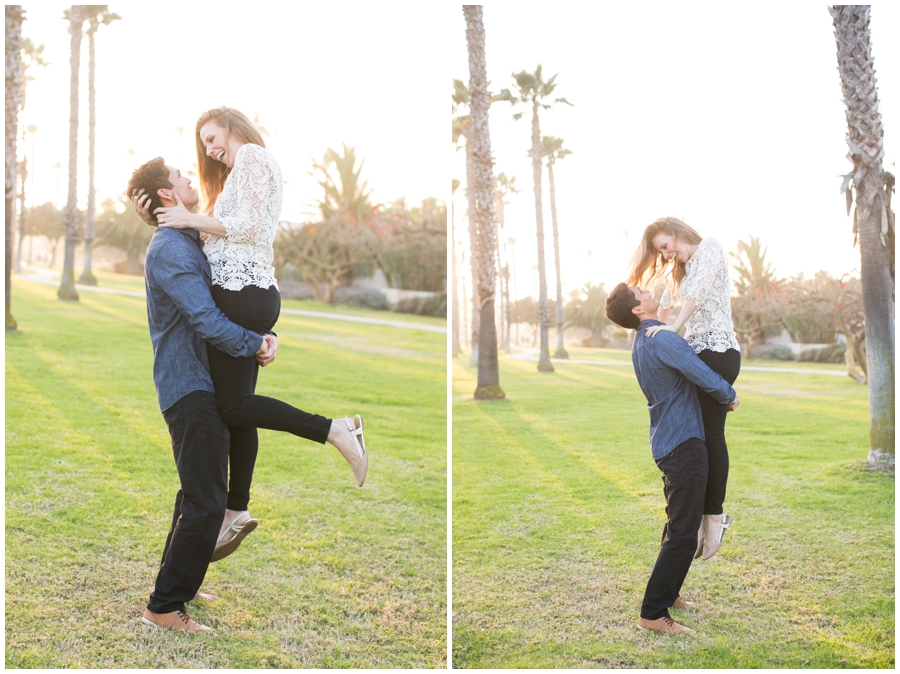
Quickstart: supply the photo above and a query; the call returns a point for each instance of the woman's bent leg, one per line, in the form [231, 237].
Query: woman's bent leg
[728, 366]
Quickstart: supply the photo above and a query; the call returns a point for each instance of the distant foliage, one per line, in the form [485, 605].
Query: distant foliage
[362, 297]
[118, 226]
[773, 352]
[436, 305]
[833, 353]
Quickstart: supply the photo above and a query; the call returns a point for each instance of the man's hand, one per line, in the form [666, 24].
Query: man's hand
[732, 406]
[141, 203]
[270, 343]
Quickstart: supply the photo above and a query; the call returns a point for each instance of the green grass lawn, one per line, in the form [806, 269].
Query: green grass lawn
[558, 510]
[335, 576]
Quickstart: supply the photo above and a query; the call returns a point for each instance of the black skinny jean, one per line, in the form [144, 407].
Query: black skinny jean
[257, 310]
[200, 446]
[727, 365]
[684, 472]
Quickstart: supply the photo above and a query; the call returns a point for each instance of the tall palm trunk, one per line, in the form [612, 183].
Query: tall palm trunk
[14, 18]
[90, 228]
[23, 215]
[560, 312]
[454, 306]
[488, 366]
[544, 364]
[873, 219]
[471, 211]
[67, 285]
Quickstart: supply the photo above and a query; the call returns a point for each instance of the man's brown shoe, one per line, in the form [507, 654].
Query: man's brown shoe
[664, 624]
[681, 603]
[175, 621]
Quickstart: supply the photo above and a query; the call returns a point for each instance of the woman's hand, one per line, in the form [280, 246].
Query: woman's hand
[653, 329]
[177, 216]
[141, 203]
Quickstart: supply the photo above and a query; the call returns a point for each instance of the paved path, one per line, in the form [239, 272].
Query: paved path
[48, 279]
[531, 354]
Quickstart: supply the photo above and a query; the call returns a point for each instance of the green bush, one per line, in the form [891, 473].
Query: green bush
[435, 305]
[833, 353]
[361, 297]
[773, 352]
[618, 334]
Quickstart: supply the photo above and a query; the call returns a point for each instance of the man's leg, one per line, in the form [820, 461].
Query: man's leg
[684, 472]
[200, 445]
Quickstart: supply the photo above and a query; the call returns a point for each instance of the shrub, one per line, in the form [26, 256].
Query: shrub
[434, 305]
[618, 334]
[833, 353]
[773, 352]
[362, 297]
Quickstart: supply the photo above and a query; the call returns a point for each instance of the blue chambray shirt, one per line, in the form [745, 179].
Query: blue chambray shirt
[667, 370]
[183, 317]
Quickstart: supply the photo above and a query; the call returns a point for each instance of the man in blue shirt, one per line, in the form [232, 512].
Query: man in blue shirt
[669, 372]
[183, 318]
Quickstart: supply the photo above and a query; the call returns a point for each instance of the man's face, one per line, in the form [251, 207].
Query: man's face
[182, 185]
[648, 305]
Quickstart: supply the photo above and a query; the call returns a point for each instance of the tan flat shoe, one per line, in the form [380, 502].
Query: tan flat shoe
[231, 538]
[701, 535]
[175, 621]
[358, 458]
[716, 525]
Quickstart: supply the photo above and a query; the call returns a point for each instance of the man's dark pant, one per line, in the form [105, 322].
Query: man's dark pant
[684, 472]
[200, 445]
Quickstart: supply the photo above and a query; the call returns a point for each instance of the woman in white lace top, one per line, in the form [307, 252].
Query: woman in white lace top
[243, 189]
[697, 271]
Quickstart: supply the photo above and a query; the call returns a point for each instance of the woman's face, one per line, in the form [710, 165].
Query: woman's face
[220, 145]
[669, 247]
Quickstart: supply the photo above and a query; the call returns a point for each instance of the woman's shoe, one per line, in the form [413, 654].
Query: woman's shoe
[357, 457]
[715, 532]
[701, 535]
[231, 538]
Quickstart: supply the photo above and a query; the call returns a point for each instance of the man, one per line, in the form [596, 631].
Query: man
[667, 370]
[182, 318]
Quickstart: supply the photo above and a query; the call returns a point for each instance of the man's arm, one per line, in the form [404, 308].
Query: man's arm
[676, 353]
[186, 285]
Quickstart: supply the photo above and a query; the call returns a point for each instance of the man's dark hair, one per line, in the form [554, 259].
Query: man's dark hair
[619, 304]
[152, 176]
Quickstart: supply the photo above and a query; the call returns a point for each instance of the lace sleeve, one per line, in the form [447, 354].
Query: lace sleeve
[665, 302]
[251, 176]
[707, 260]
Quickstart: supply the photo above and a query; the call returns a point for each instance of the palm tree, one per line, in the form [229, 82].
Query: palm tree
[756, 274]
[14, 76]
[462, 128]
[96, 15]
[24, 229]
[873, 219]
[553, 150]
[32, 55]
[454, 316]
[485, 242]
[503, 187]
[76, 16]
[348, 193]
[534, 91]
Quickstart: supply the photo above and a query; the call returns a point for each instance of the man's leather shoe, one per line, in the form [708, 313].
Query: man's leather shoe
[175, 621]
[681, 603]
[664, 624]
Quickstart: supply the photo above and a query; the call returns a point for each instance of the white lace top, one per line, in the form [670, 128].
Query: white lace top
[710, 327]
[248, 207]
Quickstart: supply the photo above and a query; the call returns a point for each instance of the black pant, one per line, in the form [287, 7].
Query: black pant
[727, 365]
[256, 310]
[200, 446]
[684, 472]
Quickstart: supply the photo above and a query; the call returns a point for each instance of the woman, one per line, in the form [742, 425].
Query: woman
[242, 187]
[697, 271]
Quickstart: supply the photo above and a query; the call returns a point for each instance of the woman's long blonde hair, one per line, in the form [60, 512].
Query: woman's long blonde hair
[213, 173]
[648, 265]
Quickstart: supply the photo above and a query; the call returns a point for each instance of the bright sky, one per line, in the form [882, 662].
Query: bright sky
[728, 116]
[317, 74]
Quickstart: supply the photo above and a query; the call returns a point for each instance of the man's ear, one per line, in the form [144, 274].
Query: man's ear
[161, 193]
[637, 311]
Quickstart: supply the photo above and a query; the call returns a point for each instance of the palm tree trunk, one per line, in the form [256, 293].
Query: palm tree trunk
[454, 315]
[488, 366]
[14, 18]
[23, 217]
[67, 285]
[560, 312]
[544, 364]
[90, 228]
[865, 138]
[472, 208]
